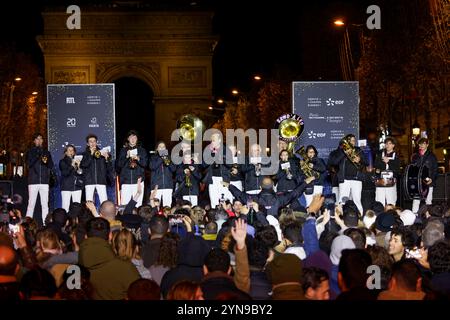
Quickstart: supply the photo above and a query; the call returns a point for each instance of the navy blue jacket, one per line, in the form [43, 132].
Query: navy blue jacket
[196, 176]
[69, 176]
[252, 181]
[430, 161]
[345, 165]
[96, 171]
[38, 172]
[223, 168]
[283, 183]
[127, 174]
[161, 174]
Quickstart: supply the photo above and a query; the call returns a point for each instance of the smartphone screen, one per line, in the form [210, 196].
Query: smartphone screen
[330, 203]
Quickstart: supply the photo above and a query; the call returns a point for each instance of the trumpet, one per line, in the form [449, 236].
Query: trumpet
[133, 163]
[44, 159]
[304, 164]
[166, 160]
[97, 154]
[352, 155]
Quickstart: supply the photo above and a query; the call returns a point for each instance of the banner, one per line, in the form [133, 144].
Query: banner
[74, 111]
[330, 110]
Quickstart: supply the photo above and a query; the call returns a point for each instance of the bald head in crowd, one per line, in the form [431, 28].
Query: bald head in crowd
[9, 264]
[108, 210]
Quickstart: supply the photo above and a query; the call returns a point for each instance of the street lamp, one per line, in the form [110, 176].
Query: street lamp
[415, 128]
[234, 92]
[339, 22]
[257, 77]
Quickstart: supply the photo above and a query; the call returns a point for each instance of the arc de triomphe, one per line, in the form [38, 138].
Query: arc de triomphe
[170, 51]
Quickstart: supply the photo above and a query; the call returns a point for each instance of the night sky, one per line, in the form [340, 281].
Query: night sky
[283, 38]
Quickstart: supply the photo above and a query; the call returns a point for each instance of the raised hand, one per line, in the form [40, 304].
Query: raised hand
[239, 233]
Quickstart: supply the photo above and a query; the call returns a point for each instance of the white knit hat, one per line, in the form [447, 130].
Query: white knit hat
[408, 217]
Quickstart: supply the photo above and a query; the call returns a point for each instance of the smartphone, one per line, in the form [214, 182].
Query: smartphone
[330, 203]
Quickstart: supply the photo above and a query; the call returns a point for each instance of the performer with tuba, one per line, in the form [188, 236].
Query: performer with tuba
[425, 157]
[288, 175]
[131, 166]
[40, 165]
[387, 170]
[71, 177]
[312, 166]
[96, 168]
[162, 171]
[352, 163]
[188, 176]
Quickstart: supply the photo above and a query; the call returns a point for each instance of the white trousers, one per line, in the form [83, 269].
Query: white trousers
[353, 188]
[428, 200]
[386, 195]
[127, 193]
[101, 191]
[67, 195]
[166, 195]
[33, 190]
[216, 189]
[191, 199]
[309, 197]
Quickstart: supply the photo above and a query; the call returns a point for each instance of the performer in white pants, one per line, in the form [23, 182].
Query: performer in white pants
[317, 168]
[162, 171]
[71, 177]
[131, 167]
[40, 164]
[217, 160]
[387, 168]
[351, 165]
[424, 157]
[188, 176]
[96, 167]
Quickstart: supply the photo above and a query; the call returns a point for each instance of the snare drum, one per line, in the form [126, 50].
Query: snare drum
[386, 179]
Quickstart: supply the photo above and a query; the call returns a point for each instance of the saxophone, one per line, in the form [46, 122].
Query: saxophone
[304, 164]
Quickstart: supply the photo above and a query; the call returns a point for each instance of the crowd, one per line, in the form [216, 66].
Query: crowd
[233, 252]
[253, 239]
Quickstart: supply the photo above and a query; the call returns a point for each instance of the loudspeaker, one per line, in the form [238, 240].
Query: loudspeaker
[6, 188]
[442, 189]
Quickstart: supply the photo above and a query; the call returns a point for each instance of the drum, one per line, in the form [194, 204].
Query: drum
[385, 179]
[414, 182]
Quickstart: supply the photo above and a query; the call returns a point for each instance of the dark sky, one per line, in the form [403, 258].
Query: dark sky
[288, 38]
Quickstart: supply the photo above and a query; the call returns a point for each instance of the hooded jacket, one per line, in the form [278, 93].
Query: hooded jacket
[110, 276]
[70, 180]
[192, 251]
[161, 175]
[38, 172]
[127, 174]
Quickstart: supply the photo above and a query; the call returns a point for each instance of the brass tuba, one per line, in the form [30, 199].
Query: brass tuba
[347, 146]
[304, 164]
[290, 126]
[190, 127]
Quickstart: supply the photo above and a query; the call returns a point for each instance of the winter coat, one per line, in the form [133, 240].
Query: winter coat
[70, 180]
[110, 276]
[131, 175]
[39, 172]
[161, 175]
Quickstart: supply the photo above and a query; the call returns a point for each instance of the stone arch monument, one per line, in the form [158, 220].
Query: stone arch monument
[170, 51]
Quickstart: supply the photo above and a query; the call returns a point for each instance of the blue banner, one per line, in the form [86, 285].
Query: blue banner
[74, 111]
[330, 110]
